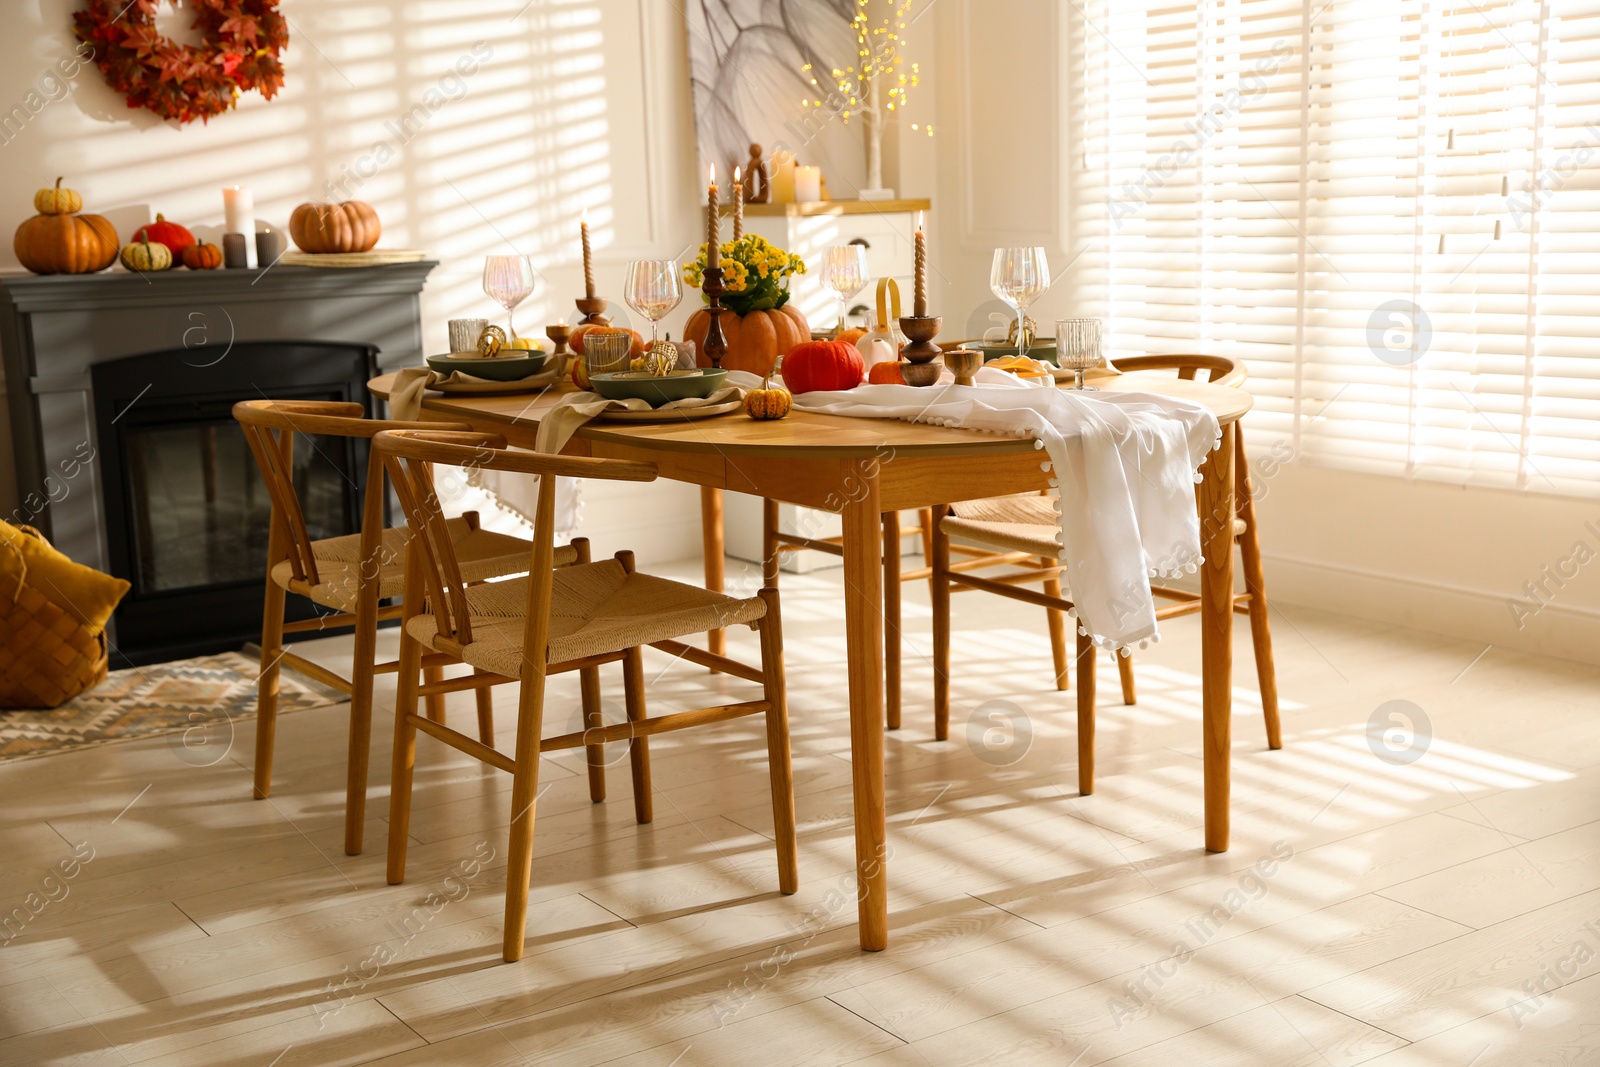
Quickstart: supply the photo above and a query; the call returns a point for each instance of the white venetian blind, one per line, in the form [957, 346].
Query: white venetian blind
[1389, 208]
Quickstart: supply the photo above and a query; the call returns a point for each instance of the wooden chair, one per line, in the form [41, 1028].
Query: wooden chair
[549, 621]
[350, 575]
[1027, 525]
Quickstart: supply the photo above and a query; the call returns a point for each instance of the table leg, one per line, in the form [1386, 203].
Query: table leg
[715, 553]
[891, 616]
[863, 592]
[1216, 632]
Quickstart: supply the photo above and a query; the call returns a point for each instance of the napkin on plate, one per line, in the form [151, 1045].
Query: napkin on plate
[405, 396]
[557, 425]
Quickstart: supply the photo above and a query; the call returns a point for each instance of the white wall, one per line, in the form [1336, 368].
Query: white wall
[566, 105]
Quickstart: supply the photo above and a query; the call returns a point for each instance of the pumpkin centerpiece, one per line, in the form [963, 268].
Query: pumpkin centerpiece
[202, 256]
[822, 366]
[175, 237]
[350, 226]
[763, 324]
[60, 241]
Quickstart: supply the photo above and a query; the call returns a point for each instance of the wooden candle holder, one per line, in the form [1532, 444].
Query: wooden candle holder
[920, 352]
[592, 308]
[716, 345]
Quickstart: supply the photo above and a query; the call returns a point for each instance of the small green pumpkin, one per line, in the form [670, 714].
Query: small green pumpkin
[146, 257]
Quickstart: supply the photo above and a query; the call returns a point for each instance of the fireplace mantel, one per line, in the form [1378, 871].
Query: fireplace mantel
[53, 328]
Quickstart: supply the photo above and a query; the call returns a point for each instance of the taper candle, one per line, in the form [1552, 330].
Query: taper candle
[588, 258]
[920, 301]
[738, 204]
[713, 237]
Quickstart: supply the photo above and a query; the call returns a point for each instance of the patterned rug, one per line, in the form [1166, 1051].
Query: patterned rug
[198, 701]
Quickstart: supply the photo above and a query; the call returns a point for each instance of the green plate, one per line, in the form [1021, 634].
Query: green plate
[507, 368]
[1043, 350]
[637, 385]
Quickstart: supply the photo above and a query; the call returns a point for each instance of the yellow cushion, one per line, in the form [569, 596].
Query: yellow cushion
[82, 592]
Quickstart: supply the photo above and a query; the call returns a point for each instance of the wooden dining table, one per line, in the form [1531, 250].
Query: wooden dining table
[861, 468]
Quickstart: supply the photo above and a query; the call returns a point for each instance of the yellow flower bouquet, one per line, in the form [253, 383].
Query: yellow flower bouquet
[755, 271]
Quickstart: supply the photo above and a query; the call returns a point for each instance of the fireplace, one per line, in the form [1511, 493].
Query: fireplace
[118, 389]
[186, 514]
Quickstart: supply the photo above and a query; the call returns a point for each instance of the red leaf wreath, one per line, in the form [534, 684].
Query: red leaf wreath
[242, 42]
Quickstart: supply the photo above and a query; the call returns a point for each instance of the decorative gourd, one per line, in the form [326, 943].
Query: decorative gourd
[175, 237]
[755, 340]
[66, 244]
[202, 256]
[147, 257]
[886, 373]
[351, 226]
[767, 402]
[57, 201]
[822, 365]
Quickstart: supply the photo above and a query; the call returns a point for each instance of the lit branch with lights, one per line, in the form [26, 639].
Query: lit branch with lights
[881, 69]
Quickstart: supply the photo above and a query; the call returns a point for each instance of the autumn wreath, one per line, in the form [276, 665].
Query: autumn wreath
[242, 40]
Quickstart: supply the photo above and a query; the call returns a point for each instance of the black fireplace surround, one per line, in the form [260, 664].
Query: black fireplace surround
[119, 389]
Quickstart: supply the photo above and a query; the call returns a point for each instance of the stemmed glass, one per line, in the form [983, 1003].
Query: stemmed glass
[654, 287]
[1019, 276]
[508, 280]
[845, 271]
[1078, 347]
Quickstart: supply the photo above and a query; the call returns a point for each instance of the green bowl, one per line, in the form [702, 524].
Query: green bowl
[1043, 350]
[507, 368]
[637, 385]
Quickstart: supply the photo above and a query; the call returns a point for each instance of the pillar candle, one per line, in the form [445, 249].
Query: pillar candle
[920, 304]
[807, 184]
[239, 207]
[782, 177]
[738, 204]
[588, 258]
[234, 254]
[713, 238]
[269, 246]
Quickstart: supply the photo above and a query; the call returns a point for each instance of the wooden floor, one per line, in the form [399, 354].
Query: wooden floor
[1441, 910]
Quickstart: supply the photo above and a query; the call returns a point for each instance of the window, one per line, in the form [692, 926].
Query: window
[1389, 208]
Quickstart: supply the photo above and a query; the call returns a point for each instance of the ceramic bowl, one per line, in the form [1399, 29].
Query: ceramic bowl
[679, 385]
[514, 366]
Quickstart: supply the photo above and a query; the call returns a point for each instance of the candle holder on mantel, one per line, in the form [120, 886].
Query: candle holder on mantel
[592, 307]
[716, 344]
[920, 351]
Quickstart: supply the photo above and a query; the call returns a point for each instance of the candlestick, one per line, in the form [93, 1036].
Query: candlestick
[239, 207]
[920, 352]
[716, 345]
[919, 305]
[588, 259]
[713, 225]
[738, 204]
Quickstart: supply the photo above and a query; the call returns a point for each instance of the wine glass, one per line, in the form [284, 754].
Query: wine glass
[508, 280]
[845, 272]
[1019, 276]
[1078, 347]
[654, 287]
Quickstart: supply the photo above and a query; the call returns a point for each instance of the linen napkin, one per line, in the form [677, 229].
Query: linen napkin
[405, 396]
[1126, 463]
[557, 425]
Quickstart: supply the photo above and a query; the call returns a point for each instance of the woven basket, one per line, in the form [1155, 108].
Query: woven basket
[47, 656]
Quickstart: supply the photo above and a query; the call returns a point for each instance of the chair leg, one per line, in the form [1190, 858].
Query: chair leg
[1086, 667]
[1125, 675]
[267, 687]
[594, 755]
[434, 702]
[1056, 620]
[638, 747]
[778, 757]
[360, 744]
[405, 756]
[770, 555]
[1255, 583]
[891, 618]
[484, 695]
[940, 580]
[925, 521]
[524, 801]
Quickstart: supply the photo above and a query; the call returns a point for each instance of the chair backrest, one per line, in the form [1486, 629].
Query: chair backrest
[432, 568]
[1218, 370]
[269, 428]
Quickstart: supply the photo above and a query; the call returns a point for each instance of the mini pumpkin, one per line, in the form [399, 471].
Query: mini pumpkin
[851, 336]
[202, 256]
[767, 402]
[350, 226]
[175, 237]
[147, 257]
[889, 372]
[57, 201]
[811, 366]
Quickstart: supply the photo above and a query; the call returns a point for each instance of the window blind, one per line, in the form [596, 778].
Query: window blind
[1389, 208]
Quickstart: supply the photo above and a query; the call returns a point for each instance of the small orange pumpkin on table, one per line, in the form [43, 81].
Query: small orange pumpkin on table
[889, 372]
[768, 403]
[823, 366]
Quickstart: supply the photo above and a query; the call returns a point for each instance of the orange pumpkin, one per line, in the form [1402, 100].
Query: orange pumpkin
[66, 244]
[888, 372]
[755, 341]
[202, 256]
[850, 336]
[767, 402]
[822, 365]
[351, 226]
